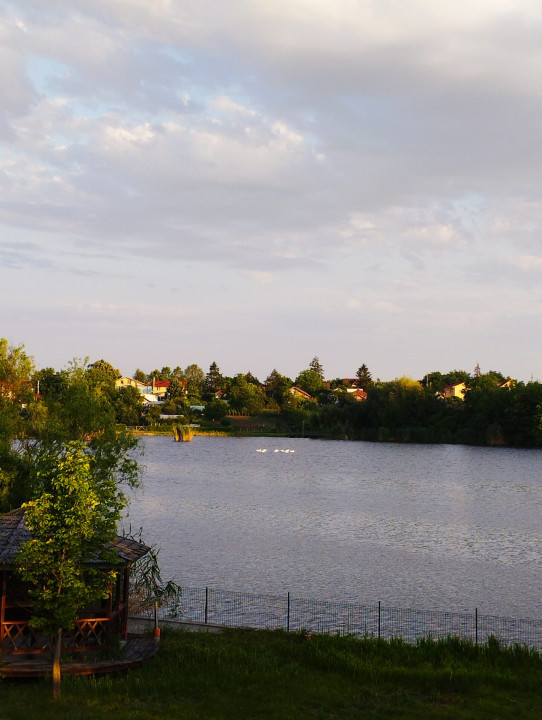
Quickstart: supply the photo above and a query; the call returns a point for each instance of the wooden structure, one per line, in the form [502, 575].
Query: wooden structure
[94, 627]
[135, 651]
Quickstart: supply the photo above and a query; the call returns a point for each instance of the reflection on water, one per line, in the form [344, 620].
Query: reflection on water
[445, 527]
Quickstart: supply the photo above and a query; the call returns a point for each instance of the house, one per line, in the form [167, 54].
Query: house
[299, 393]
[357, 394]
[457, 390]
[95, 626]
[123, 382]
[153, 392]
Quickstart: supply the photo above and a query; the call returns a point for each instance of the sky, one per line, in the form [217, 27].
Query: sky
[258, 183]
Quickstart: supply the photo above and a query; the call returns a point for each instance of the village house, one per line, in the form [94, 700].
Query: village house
[299, 393]
[457, 390]
[357, 394]
[153, 392]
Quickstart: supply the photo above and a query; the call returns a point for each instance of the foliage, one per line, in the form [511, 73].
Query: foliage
[128, 404]
[277, 387]
[310, 381]
[244, 396]
[147, 585]
[214, 382]
[195, 377]
[216, 410]
[102, 366]
[72, 519]
[317, 367]
[78, 404]
[140, 375]
[364, 377]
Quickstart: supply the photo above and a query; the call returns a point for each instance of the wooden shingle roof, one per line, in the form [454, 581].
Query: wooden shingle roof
[14, 532]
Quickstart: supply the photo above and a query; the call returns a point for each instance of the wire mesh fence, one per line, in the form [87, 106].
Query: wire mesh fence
[231, 608]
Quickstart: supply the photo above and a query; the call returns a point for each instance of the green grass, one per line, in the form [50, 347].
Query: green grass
[243, 674]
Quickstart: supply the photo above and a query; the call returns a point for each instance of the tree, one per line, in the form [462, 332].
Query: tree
[364, 377]
[244, 396]
[106, 368]
[140, 376]
[310, 381]
[317, 367]
[213, 380]
[72, 519]
[128, 404]
[81, 407]
[277, 387]
[195, 377]
[216, 409]
[15, 392]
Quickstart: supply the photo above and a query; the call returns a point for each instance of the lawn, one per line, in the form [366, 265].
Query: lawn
[242, 674]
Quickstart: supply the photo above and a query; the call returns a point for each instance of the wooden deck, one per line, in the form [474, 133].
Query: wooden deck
[136, 650]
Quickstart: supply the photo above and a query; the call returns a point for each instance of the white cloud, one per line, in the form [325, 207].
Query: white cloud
[381, 158]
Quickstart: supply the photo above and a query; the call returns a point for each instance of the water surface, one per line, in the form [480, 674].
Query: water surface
[429, 526]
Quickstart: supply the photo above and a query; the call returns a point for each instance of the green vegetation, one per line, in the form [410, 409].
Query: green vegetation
[73, 405]
[81, 401]
[273, 674]
[72, 518]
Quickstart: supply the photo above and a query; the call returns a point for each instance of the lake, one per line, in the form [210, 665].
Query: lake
[442, 527]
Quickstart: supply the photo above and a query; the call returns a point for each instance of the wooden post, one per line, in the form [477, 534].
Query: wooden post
[3, 609]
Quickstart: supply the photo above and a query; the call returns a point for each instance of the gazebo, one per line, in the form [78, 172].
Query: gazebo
[95, 625]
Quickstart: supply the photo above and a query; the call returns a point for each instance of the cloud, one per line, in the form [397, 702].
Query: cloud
[374, 157]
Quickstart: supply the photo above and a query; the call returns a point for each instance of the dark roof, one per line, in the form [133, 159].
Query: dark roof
[14, 532]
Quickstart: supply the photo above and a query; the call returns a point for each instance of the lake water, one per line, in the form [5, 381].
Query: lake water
[429, 526]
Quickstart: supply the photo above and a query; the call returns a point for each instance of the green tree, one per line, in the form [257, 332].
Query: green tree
[105, 367]
[195, 377]
[16, 407]
[15, 370]
[310, 381]
[316, 366]
[140, 376]
[81, 408]
[216, 409]
[128, 405]
[244, 396]
[364, 377]
[214, 382]
[277, 387]
[72, 519]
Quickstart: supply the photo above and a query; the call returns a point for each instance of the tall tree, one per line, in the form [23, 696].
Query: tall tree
[213, 380]
[317, 367]
[195, 377]
[364, 377]
[72, 519]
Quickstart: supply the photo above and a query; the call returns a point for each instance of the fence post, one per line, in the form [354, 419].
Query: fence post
[206, 603]
[288, 614]
[476, 625]
[379, 619]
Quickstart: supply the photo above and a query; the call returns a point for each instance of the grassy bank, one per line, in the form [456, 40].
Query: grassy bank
[242, 674]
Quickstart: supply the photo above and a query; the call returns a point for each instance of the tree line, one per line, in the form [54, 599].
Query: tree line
[73, 402]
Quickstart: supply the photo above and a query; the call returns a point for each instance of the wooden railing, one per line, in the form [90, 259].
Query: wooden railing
[18, 637]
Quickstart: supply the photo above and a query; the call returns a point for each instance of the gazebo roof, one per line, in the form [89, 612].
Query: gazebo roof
[14, 532]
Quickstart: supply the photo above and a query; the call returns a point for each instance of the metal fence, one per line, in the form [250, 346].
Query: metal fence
[241, 609]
